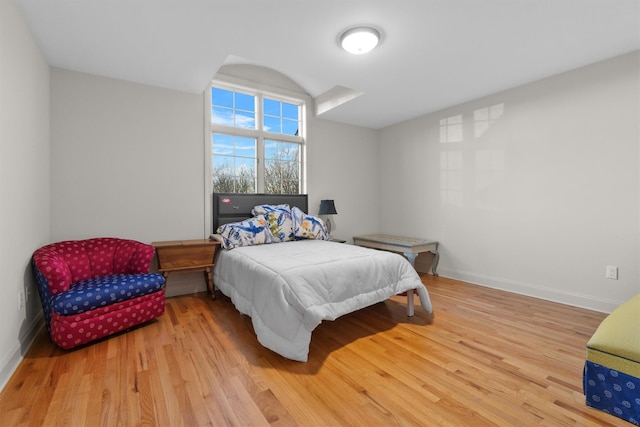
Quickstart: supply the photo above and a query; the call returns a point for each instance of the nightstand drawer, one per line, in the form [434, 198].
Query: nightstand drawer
[185, 253]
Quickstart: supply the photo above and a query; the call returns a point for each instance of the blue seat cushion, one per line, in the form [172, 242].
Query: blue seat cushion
[90, 294]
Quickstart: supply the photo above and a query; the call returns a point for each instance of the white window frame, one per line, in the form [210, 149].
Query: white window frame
[260, 90]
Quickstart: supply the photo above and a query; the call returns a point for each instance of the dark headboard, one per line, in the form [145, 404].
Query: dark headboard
[233, 207]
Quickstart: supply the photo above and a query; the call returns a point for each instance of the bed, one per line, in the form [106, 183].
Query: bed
[288, 288]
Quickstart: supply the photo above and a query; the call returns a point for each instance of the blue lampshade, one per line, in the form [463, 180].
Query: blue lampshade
[327, 207]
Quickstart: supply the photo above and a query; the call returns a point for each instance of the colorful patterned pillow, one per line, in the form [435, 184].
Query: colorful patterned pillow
[308, 226]
[261, 209]
[279, 219]
[252, 231]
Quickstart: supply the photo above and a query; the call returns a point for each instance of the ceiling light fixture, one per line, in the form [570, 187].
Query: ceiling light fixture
[359, 40]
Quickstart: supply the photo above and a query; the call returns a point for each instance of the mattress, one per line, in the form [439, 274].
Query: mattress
[289, 288]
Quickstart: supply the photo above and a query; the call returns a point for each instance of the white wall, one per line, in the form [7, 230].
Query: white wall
[539, 198]
[126, 160]
[24, 182]
[342, 165]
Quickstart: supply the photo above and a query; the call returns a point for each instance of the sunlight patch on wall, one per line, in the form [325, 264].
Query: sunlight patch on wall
[451, 129]
[472, 173]
[483, 118]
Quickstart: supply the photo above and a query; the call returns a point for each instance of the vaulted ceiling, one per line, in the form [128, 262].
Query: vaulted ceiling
[433, 54]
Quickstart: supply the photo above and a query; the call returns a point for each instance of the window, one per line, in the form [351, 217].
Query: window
[256, 141]
[281, 117]
[234, 163]
[282, 167]
[233, 108]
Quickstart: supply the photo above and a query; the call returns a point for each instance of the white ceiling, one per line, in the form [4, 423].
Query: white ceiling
[434, 53]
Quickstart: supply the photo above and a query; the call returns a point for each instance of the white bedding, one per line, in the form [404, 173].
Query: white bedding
[289, 288]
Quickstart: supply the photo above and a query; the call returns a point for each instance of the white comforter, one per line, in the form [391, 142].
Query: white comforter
[290, 288]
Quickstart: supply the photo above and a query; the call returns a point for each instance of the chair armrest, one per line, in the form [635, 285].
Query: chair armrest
[54, 268]
[141, 258]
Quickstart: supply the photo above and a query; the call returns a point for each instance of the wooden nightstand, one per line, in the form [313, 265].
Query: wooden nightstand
[188, 255]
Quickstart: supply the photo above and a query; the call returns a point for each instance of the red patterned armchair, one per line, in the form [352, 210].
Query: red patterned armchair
[93, 288]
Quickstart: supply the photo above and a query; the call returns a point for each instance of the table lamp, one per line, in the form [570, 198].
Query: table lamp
[327, 207]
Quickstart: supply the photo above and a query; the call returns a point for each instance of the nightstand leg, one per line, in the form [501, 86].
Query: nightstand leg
[209, 279]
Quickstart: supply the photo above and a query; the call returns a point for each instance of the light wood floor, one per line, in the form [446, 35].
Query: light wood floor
[486, 358]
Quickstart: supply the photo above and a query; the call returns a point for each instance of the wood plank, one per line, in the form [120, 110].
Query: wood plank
[485, 357]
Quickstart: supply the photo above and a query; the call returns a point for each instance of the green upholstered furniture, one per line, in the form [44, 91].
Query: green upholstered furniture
[612, 368]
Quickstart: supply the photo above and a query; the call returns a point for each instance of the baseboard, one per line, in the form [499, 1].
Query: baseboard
[569, 298]
[9, 365]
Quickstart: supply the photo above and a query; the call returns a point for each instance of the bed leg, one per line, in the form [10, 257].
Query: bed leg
[410, 303]
[412, 260]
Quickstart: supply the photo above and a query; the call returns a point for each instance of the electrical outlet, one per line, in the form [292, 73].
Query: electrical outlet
[612, 272]
[20, 300]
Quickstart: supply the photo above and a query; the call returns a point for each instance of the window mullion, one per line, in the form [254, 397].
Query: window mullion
[251, 133]
[260, 166]
[284, 138]
[259, 113]
[260, 140]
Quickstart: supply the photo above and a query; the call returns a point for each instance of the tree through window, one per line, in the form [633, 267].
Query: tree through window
[256, 143]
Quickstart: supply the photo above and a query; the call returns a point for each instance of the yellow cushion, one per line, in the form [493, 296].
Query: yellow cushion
[616, 342]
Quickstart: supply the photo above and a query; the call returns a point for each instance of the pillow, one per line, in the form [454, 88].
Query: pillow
[279, 219]
[216, 238]
[252, 231]
[308, 226]
[261, 209]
